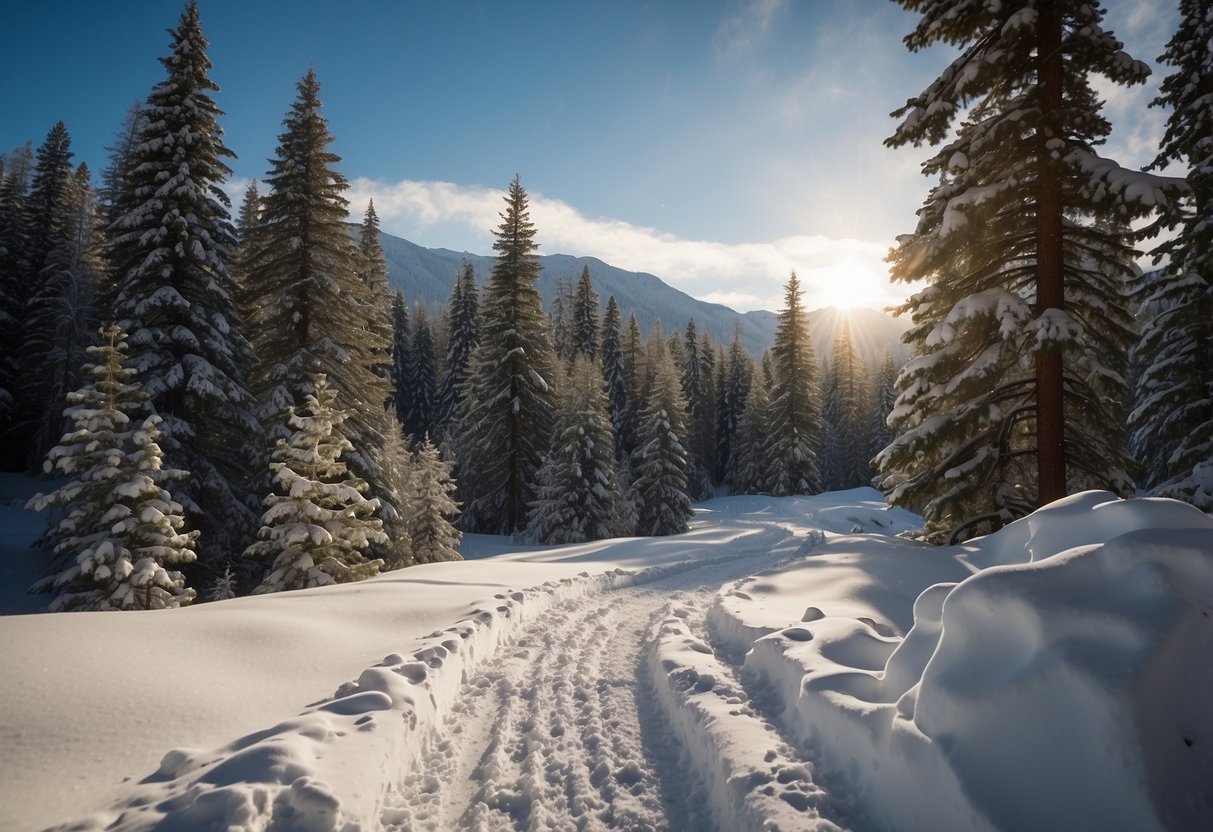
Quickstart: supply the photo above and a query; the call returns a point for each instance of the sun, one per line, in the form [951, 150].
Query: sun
[849, 284]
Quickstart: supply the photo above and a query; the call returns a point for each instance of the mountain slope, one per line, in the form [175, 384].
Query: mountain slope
[427, 274]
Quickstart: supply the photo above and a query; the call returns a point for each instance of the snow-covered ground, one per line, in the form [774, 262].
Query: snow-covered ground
[787, 664]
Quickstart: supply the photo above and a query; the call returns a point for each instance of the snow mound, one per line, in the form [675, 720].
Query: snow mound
[1063, 685]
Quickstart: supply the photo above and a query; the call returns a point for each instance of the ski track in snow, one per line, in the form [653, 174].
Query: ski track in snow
[563, 729]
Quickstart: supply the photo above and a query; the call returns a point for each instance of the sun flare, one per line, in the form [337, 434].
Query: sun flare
[851, 284]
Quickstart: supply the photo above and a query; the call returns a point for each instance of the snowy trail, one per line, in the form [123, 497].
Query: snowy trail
[562, 730]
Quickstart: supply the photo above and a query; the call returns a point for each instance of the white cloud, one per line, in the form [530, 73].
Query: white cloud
[745, 29]
[745, 276]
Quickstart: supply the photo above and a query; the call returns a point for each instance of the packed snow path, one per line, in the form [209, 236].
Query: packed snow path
[564, 730]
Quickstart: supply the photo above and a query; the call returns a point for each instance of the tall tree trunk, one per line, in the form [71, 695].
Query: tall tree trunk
[1051, 462]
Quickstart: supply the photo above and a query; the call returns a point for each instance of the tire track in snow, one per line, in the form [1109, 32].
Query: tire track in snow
[562, 730]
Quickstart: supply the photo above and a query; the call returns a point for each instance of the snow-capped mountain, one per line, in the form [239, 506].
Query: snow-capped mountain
[427, 275]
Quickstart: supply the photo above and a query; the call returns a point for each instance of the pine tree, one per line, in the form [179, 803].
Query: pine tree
[584, 330]
[577, 487]
[795, 411]
[614, 373]
[312, 308]
[116, 199]
[419, 411]
[395, 461]
[175, 294]
[507, 428]
[751, 465]
[463, 336]
[700, 415]
[561, 319]
[732, 390]
[882, 398]
[401, 364]
[1172, 418]
[660, 462]
[1022, 333]
[317, 526]
[46, 215]
[432, 509]
[119, 527]
[847, 417]
[244, 257]
[372, 268]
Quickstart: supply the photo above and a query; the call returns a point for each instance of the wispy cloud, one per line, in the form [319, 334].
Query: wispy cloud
[745, 276]
[745, 29]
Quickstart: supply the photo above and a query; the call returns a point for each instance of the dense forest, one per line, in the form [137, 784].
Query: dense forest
[235, 401]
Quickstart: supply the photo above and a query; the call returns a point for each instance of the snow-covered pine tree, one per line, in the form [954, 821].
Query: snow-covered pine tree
[395, 460]
[659, 465]
[317, 526]
[614, 373]
[119, 528]
[432, 509]
[584, 329]
[710, 354]
[401, 336]
[796, 428]
[1012, 400]
[463, 336]
[312, 308]
[732, 390]
[422, 378]
[700, 410]
[45, 213]
[560, 319]
[577, 489]
[634, 363]
[846, 416]
[244, 257]
[175, 295]
[507, 426]
[751, 463]
[223, 588]
[1172, 418]
[882, 399]
[116, 198]
[372, 268]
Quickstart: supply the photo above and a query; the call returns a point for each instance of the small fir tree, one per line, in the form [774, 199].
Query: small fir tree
[318, 525]
[584, 333]
[660, 463]
[795, 411]
[614, 373]
[463, 336]
[432, 508]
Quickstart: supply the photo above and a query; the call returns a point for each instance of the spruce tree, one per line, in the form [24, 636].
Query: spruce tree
[882, 398]
[577, 482]
[659, 465]
[700, 415]
[422, 377]
[401, 364]
[847, 420]
[174, 294]
[614, 373]
[750, 471]
[1021, 337]
[46, 213]
[584, 330]
[313, 310]
[507, 427]
[119, 528]
[463, 336]
[117, 199]
[1172, 419]
[372, 268]
[317, 526]
[796, 428]
[395, 461]
[432, 509]
[732, 390]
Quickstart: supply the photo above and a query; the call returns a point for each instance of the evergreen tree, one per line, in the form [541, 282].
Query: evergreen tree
[660, 463]
[847, 416]
[584, 330]
[432, 509]
[317, 526]
[700, 415]
[577, 489]
[117, 199]
[119, 527]
[174, 294]
[395, 461]
[1172, 418]
[46, 212]
[883, 398]
[614, 373]
[463, 336]
[507, 428]
[312, 308]
[419, 411]
[733, 389]
[244, 262]
[401, 364]
[561, 319]
[1022, 334]
[751, 462]
[795, 411]
[372, 268]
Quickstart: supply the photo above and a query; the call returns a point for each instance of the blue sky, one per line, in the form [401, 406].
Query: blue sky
[716, 143]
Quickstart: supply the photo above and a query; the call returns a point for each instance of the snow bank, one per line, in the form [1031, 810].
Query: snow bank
[1064, 684]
